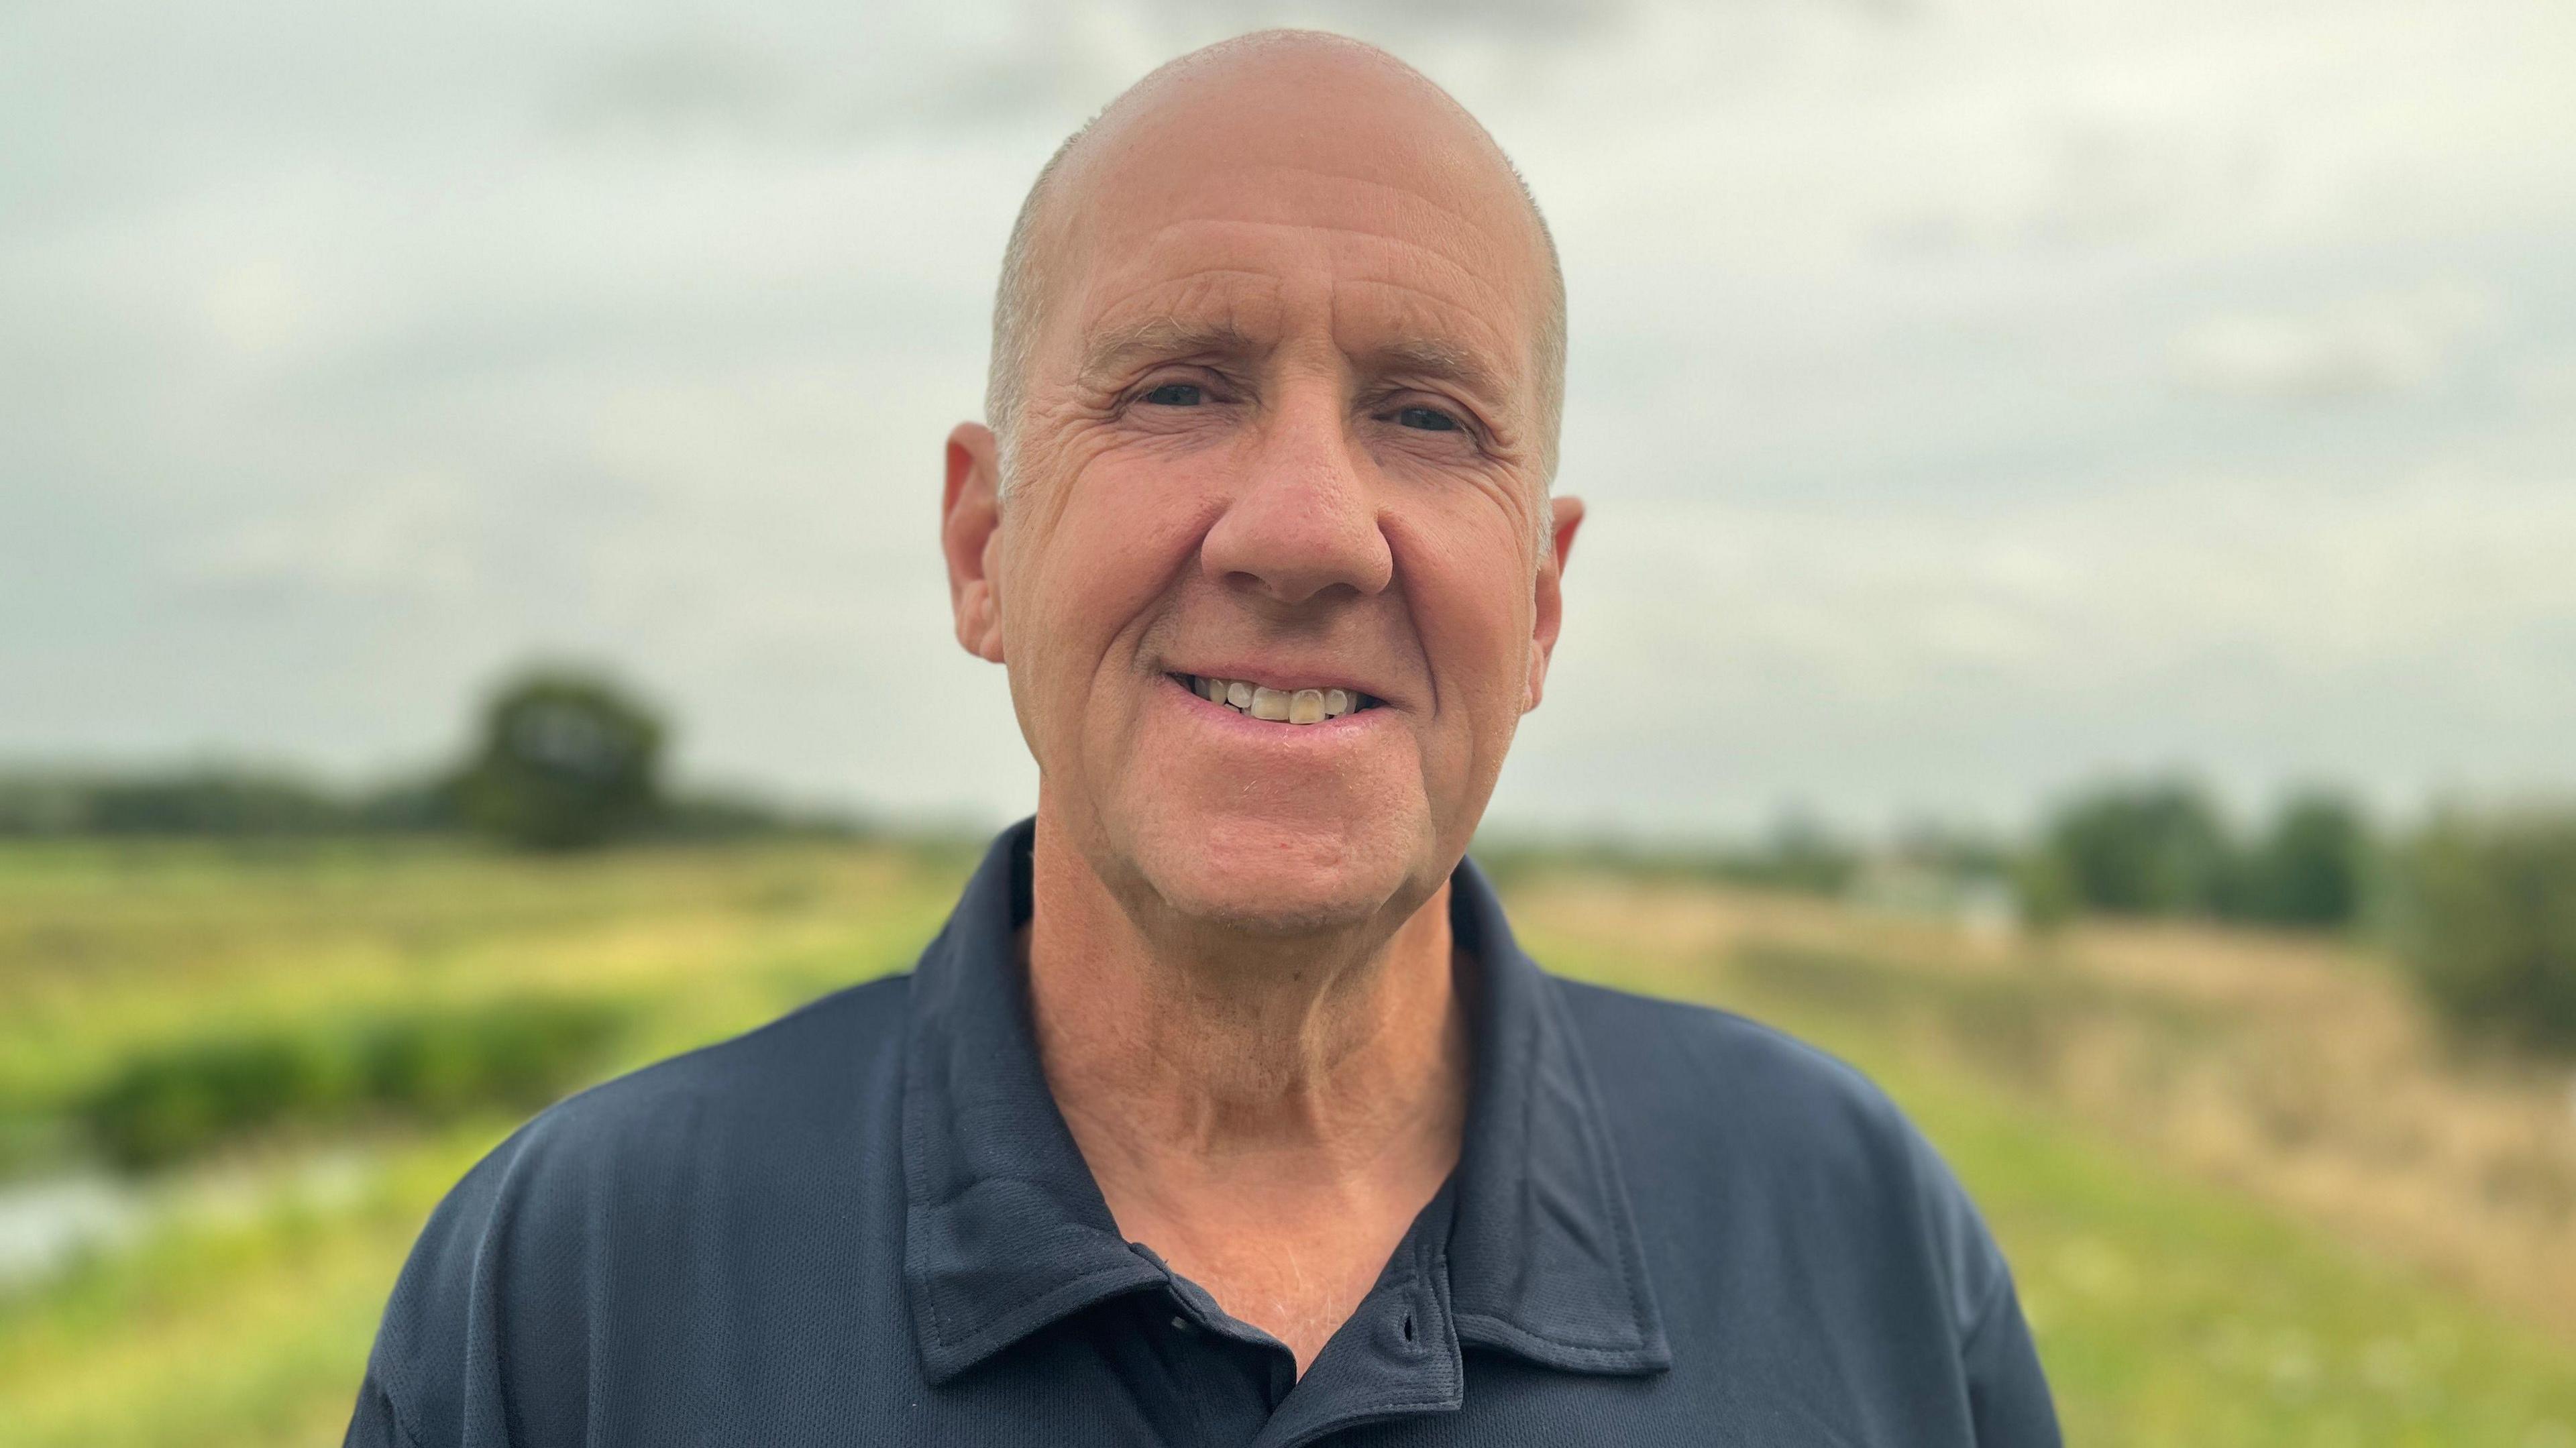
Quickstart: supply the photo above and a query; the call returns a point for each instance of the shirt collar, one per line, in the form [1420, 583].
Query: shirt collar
[1006, 1231]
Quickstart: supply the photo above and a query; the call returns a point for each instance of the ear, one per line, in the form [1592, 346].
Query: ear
[970, 528]
[1550, 613]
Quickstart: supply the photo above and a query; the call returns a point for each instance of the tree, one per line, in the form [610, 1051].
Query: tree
[2487, 918]
[2156, 849]
[566, 761]
[2309, 869]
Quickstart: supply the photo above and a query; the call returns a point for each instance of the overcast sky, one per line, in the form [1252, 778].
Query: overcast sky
[1971, 399]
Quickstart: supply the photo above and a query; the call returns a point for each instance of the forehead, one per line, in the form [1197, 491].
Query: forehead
[1376, 217]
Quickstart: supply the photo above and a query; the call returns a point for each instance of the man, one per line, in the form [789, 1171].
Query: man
[1225, 1110]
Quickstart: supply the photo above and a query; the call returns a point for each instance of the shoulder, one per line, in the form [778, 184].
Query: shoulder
[1709, 1100]
[637, 1176]
[1705, 1068]
[771, 1074]
[771, 1092]
[767, 1091]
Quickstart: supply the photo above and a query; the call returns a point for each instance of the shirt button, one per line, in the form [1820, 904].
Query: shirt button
[1182, 1325]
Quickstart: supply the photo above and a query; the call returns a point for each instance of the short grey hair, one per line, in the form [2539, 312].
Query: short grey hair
[1015, 311]
[1019, 300]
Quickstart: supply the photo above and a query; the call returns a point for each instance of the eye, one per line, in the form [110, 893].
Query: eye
[1428, 419]
[1175, 394]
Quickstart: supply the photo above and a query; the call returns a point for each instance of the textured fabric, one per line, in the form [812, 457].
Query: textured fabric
[866, 1223]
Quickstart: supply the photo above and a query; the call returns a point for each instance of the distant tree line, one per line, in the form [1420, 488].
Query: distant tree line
[2164, 849]
[207, 801]
[2479, 905]
[562, 759]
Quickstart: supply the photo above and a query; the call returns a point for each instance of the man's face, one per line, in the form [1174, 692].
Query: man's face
[1281, 433]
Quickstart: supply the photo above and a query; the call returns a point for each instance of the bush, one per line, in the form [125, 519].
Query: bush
[2487, 919]
[207, 801]
[2309, 869]
[184, 1100]
[2157, 849]
[567, 761]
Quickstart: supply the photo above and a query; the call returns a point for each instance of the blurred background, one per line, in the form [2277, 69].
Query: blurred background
[2078, 617]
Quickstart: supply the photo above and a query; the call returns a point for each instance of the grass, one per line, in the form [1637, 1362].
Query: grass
[2179, 1297]
[233, 1333]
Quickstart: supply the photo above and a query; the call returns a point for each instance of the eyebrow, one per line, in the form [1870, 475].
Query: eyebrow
[1116, 349]
[1438, 358]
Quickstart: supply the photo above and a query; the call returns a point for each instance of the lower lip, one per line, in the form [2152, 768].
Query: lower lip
[1335, 730]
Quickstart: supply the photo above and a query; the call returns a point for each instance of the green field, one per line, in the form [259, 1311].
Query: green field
[299, 1049]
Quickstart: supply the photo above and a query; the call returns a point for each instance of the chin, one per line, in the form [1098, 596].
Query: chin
[1298, 876]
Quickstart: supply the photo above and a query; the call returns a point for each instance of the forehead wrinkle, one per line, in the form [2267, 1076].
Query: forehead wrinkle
[1467, 183]
[1286, 207]
[1195, 311]
[1181, 232]
[1481, 307]
[1430, 219]
[1222, 290]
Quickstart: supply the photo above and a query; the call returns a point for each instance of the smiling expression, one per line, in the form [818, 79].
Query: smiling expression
[1273, 579]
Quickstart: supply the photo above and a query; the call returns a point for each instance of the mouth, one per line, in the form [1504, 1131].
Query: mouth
[1292, 706]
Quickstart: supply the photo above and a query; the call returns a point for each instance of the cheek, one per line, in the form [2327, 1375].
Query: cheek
[1474, 613]
[1098, 553]
[1126, 530]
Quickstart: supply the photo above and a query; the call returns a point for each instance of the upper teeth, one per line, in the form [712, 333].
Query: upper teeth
[1288, 706]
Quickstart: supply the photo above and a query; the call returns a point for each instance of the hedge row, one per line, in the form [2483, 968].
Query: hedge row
[170, 1104]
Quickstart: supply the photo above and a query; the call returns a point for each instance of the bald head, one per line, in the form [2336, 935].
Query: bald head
[1285, 98]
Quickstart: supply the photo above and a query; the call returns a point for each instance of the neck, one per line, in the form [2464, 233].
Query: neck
[1192, 1062]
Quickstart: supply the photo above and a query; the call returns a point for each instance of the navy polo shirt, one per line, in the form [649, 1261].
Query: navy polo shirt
[867, 1224]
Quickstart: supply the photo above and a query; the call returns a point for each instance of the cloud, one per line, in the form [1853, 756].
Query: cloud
[838, 74]
[2373, 346]
[411, 534]
[2401, 632]
[685, 83]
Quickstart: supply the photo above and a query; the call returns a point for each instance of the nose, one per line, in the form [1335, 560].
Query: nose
[1303, 520]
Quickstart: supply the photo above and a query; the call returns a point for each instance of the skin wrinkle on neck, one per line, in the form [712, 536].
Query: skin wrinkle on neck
[1333, 1047]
